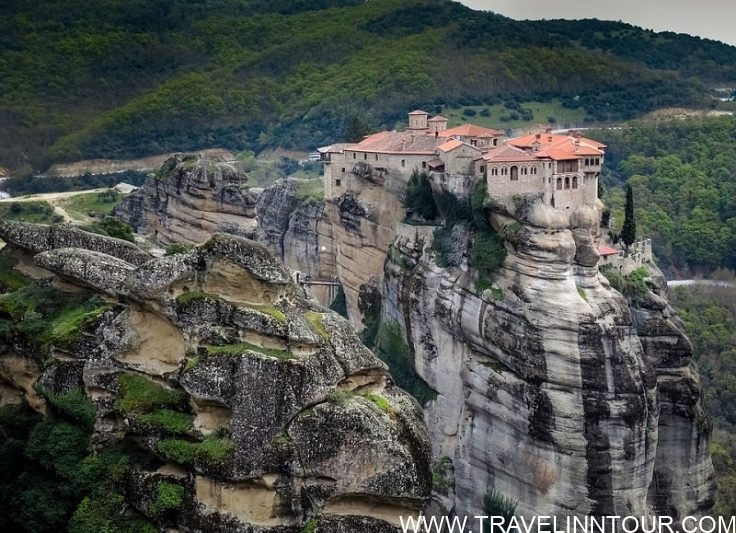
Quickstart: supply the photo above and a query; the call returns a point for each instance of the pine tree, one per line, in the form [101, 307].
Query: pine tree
[628, 232]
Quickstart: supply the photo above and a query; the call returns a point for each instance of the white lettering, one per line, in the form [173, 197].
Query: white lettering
[410, 525]
[726, 528]
[627, 519]
[514, 524]
[644, 524]
[665, 521]
[599, 526]
[702, 527]
[579, 526]
[684, 525]
[481, 522]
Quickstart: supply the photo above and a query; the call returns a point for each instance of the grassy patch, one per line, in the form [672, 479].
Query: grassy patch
[169, 497]
[379, 401]
[631, 285]
[186, 297]
[582, 293]
[167, 420]
[269, 310]
[211, 450]
[192, 363]
[438, 473]
[499, 117]
[73, 404]
[315, 320]
[481, 285]
[242, 347]
[37, 212]
[178, 248]
[93, 204]
[139, 395]
[10, 279]
[111, 227]
[341, 396]
[310, 526]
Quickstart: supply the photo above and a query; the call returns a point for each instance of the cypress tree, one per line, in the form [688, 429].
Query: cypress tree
[628, 232]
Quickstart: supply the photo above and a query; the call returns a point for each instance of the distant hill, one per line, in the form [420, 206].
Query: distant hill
[129, 78]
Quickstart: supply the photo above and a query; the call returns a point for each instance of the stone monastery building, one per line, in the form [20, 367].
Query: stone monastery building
[562, 169]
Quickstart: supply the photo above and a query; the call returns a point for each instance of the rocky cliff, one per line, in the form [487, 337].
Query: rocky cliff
[260, 410]
[554, 388]
[191, 198]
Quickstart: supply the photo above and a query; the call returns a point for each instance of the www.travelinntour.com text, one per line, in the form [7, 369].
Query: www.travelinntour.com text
[570, 524]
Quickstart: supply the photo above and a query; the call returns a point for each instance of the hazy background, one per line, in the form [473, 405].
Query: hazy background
[711, 19]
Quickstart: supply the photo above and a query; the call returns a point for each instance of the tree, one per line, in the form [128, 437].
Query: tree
[628, 232]
[355, 129]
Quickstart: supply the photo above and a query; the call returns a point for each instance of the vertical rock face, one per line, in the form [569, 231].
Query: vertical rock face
[553, 388]
[283, 419]
[189, 199]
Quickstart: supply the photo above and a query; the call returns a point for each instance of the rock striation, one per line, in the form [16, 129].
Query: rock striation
[191, 198]
[292, 422]
[553, 388]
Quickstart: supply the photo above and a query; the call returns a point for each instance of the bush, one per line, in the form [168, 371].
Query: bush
[177, 248]
[488, 254]
[112, 227]
[496, 504]
[139, 395]
[469, 112]
[169, 497]
[419, 197]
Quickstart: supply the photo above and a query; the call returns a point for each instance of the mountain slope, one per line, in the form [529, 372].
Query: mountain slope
[131, 78]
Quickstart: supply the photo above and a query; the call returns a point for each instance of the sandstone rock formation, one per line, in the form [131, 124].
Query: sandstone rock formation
[289, 419]
[189, 199]
[553, 388]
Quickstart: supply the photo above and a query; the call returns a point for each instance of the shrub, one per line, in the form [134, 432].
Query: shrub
[212, 450]
[242, 347]
[488, 254]
[167, 420]
[469, 112]
[139, 395]
[496, 504]
[112, 227]
[169, 497]
[176, 248]
[419, 196]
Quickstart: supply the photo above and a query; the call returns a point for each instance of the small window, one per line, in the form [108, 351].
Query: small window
[376, 157]
[567, 182]
[337, 183]
[473, 142]
[514, 173]
[482, 168]
[353, 155]
[424, 164]
[343, 170]
[575, 182]
[559, 184]
[403, 162]
[365, 156]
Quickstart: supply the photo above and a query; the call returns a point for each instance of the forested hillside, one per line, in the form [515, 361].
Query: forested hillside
[116, 78]
[683, 174]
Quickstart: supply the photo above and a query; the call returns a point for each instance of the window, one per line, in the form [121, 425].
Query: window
[365, 156]
[473, 142]
[403, 162]
[343, 170]
[559, 184]
[567, 182]
[376, 157]
[482, 168]
[494, 171]
[424, 164]
[514, 173]
[354, 155]
[504, 171]
[574, 182]
[534, 170]
[337, 183]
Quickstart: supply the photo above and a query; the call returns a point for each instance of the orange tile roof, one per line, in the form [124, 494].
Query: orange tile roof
[604, 249]
[508, 154]
[449, 145]
[396, 142]
[438, 118]
[470, 130]
[560, 147]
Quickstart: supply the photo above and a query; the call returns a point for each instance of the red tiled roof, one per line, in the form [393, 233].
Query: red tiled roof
[395, 142]
[507, 153]
[470, 130]
[604, 249]
[559, 147]
[450, 145]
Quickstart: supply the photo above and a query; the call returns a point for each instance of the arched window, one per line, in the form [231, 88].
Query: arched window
[403, 162]
[514, 173]
[559, 184]
[353, 155]
[376, 157]
[574, 182]
[567, 182]
[504, 171]
[534, 170]
[553, 201]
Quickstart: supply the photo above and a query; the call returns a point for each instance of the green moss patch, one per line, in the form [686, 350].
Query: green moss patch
[166, 420]
[315, 320]
[140, 395]
[212, 450]
[186, 297]
[11, 279]
[169, 497]
[269, 310]
[379, 401]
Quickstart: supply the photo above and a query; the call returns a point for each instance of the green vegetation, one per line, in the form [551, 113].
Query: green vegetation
[186, 297]
[43, 315]
[29, 211]
[121, 79]
[439, 479]
[379, 401]
[341, 396]
[339, 305]
[176, 248]
[315, 320]
[311, 526]
[73, 404]
[512, 114]
[92, 205]
[488, 255]
[496, 504]
[683, 175]
[242, 347]
[169, 497]
[628, 231]
[310, 191]
[10, 278]
[138, 394]
[112, 227]
[213, 450]
[709, 316]
[582, 293]
[632, 284]
[419, 196]
[392, 350]
[166, 420]
[269, 310]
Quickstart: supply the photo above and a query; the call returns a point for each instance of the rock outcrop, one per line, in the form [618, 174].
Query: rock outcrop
[553, 388]
[190, 199]
[289, 421]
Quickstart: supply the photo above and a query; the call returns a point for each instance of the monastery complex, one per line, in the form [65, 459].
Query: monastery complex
[562, 169]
